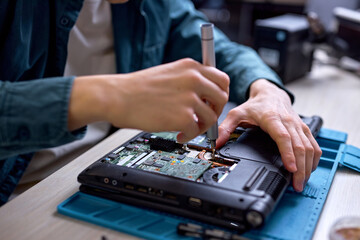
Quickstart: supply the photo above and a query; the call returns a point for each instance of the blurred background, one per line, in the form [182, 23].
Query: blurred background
[287, 33]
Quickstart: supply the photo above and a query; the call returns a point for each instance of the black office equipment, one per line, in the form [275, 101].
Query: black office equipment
[280, 42]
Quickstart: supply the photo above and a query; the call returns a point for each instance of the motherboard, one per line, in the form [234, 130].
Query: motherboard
[160, 153]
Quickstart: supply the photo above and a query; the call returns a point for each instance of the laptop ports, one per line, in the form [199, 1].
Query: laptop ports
[142, 189]
[195, 202]
[170, 196]
[155, 192]
[129, 186]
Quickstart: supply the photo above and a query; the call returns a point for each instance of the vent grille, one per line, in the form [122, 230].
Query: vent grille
[273, 184]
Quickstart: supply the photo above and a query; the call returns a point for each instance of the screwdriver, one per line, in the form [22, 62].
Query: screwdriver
[208, 58]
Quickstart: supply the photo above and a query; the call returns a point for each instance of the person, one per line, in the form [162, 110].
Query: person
[134, 64]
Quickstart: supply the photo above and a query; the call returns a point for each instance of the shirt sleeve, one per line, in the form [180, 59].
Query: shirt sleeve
[241, 63]
[33, 115]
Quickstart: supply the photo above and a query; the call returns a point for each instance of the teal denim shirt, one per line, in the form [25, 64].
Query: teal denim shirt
[34, 95]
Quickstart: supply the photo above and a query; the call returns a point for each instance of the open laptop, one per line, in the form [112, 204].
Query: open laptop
[238, 189]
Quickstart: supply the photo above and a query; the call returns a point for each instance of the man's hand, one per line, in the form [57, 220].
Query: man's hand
[269, 107]
[169, 97]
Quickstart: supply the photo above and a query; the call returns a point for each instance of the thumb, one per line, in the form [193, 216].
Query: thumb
[236, 117]
[224, 135]
[228, 125]
[182, 138]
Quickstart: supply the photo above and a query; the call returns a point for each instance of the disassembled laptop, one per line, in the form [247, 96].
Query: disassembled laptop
[237, 188]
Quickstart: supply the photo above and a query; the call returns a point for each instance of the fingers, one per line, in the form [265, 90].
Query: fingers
[208, 82]
[236, 117]
[283, 138]
[225, 129]
[218, 77]
[269, 107]
[312, 153]
[169, 96]
[299, 151]
[210, 93]
[316, 148]
[205, 117]
[309, 154]
[188, 133]
[302, 160]
[215, 91]
[213, 74]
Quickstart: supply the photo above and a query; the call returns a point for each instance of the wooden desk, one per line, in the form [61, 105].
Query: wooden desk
[327, 91]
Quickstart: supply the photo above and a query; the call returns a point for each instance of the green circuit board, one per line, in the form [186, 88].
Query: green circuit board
[176, 162]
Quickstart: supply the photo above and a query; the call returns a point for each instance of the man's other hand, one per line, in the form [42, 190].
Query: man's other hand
[269, 107]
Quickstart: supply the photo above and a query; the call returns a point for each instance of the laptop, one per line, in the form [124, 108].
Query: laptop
[237, 189]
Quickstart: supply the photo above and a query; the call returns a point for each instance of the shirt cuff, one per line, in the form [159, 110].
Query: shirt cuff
[34, 115]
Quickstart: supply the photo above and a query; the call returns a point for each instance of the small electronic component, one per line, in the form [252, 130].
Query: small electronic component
[130, 146]
[158, 165]
[199, 143]
[158, 143]
[112, 156]
[166, 159]
[197, 160]
[181, 157]
[147, 136]
[149, 162]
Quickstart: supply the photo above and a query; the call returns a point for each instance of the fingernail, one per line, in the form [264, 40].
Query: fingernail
[180, 138]
[299, 187]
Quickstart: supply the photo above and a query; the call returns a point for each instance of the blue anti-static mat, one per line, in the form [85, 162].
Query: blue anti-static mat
[294, 218]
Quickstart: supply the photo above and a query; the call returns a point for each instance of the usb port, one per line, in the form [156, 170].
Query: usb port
[170, 196]
[156, 192]
[195, 202]
[142, 189]
[129, 186]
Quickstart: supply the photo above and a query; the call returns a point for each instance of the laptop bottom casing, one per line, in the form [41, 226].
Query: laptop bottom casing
[240, 196]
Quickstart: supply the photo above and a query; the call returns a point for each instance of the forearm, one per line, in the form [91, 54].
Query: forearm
[45, 113]
[265, 87]
[90, 100]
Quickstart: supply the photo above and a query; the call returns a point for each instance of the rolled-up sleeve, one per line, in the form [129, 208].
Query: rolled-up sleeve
[34, 115]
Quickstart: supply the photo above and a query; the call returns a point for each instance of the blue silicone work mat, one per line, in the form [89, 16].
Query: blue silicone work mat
[295, 216]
